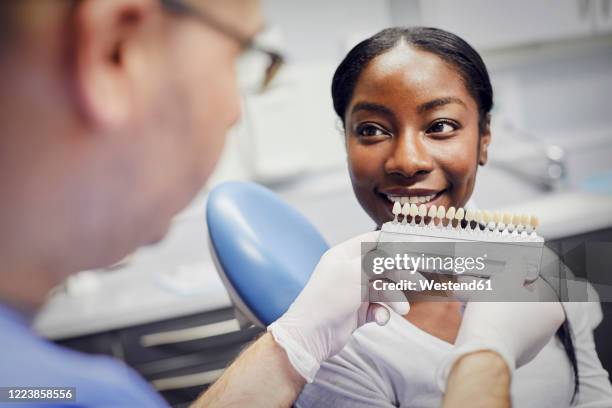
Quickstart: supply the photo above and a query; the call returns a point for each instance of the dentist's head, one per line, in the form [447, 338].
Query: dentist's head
[112, 116]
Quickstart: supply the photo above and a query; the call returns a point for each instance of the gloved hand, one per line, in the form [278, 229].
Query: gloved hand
[517, 331]
[330, 308]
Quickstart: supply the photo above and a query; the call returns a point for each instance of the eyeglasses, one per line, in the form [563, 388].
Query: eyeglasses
[273, 60]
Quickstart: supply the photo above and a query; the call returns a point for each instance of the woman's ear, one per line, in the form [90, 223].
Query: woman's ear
[485, 139]
[105, 44]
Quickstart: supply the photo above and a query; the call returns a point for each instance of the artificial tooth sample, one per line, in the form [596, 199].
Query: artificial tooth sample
[420, 219]
[524, 222]
[432, 220]
[516, 222]
[535, 222]
[397, 210]
[469, 217]
[459, 216]
[497, 219]
[414, 211]
[441, 214]
[478, 217]
[405, 212]
[432, 214]
[422, 213]
[507, 222]
[450, 214]
[487, 218]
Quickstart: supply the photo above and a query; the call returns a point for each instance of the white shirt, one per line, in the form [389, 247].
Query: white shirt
[394, 365]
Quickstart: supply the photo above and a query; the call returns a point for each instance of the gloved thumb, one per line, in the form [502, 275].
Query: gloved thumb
[380, 314]
[401, 308]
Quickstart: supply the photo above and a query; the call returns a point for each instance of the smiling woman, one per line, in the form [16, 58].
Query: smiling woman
[416, 118]
[415, 106]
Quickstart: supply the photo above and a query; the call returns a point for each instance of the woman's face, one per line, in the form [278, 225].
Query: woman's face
[412, 132]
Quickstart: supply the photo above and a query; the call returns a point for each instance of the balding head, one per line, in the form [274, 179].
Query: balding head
[112, 116]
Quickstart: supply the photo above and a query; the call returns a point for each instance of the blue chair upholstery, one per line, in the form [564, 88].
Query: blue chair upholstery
[264, 249]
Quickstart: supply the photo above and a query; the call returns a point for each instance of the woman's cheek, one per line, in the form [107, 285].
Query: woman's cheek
[363, 164]
[459, 166]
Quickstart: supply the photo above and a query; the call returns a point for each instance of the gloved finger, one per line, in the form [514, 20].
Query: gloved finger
[401, 308]
[378, 313]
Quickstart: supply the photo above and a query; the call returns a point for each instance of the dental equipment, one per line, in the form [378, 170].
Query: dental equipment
[264, 250]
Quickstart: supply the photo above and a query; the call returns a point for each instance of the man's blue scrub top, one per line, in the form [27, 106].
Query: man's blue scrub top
[27, 360]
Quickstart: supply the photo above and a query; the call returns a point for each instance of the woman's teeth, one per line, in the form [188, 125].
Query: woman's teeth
[413, 199]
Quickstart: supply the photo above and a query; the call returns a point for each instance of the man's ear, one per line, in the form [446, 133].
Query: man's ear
[104, 41]
[484, 141]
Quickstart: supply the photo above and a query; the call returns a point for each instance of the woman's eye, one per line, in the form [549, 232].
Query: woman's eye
[370, 131]
[442, 127]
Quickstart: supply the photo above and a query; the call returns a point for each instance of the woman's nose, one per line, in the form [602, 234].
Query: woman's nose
[410, 156]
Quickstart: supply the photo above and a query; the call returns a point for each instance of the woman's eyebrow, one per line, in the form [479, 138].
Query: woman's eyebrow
[436, 103]
[372, 107]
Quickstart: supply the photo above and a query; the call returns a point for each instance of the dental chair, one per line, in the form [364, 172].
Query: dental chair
[264, 250]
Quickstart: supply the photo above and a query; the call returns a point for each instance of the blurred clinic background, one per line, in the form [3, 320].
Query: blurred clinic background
[164, 310]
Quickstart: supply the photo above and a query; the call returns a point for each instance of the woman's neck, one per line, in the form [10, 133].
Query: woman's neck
[440, 319]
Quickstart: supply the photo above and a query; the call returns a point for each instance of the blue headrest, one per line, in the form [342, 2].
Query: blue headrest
[264, 248]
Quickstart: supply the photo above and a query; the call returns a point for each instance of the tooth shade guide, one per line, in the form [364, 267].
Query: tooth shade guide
[463, 229]
[452, 223]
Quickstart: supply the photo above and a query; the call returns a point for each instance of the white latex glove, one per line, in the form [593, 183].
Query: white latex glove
[323, 317]
[517, 331]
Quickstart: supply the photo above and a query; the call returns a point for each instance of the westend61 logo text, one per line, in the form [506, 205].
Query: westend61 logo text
[412, 264]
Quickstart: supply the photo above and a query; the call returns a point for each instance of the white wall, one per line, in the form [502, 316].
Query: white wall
[318, 29]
